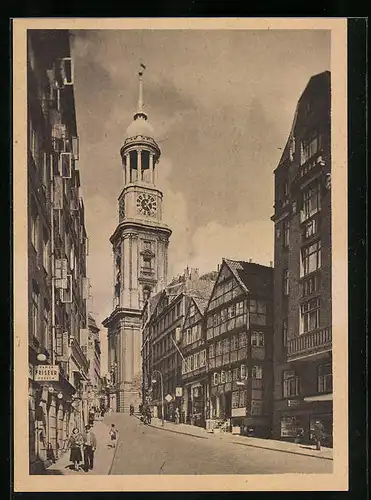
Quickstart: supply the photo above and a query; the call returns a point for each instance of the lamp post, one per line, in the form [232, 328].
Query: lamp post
[162, 392]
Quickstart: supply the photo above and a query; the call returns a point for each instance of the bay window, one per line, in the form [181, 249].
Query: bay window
[311, 202]
[310, 258]
[309, 315]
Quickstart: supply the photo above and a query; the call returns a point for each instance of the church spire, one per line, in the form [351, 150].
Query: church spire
[140, 112]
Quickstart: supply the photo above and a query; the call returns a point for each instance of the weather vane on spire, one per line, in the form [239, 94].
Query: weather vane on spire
[142, 67]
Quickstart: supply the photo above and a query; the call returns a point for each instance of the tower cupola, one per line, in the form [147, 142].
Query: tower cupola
[140, 152]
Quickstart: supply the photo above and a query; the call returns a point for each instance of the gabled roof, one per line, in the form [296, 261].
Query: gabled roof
[201, 304]
[251, 276]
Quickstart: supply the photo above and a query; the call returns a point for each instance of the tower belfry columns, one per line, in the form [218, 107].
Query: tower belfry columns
[139, 165]
[128, 169]
[152, 168]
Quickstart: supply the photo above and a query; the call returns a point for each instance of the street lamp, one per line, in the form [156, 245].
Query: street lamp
[162, 392]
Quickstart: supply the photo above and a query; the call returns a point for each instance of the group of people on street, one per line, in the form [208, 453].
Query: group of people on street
[82, 447]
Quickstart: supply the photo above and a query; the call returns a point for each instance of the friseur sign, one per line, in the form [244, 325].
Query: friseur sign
[46, 373]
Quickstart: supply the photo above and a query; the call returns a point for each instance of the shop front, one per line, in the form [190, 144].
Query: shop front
[298, 424]
[194, 402]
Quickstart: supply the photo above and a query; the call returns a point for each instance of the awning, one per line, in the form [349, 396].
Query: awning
[319, 397]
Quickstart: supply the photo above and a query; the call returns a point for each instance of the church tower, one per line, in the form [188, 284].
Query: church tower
[140, 247]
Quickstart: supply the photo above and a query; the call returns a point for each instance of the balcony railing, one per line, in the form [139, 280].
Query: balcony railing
[309, 344]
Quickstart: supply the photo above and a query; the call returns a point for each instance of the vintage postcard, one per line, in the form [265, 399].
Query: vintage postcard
[180, 254]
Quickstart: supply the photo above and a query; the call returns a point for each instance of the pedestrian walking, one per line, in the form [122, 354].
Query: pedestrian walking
[318, 431]
[113, 434]
[177, 415]
[75, 444]
[91, 417]
[90, 445]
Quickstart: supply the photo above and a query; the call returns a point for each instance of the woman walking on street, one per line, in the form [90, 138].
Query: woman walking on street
[75, 445]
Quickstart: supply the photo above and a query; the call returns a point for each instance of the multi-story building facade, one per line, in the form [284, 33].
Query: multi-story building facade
[302, 283]
[92, 351]
[57, 248]
[163, 319]
[239, 342]
[140, 245]
[194, 363]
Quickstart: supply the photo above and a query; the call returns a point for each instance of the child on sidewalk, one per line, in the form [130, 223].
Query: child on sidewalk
[113, 434]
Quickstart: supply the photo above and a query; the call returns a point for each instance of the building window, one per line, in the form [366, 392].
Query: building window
[286, 285]
[243, 372]
[310, 258]
[228, 376]
[178, 310]
[218, 349]
[309, 147]
[257, 339]
[46, 251]
[35, 308]
[258, 312]
[225, 346]
[147, 262]
[309, 317]
[311, 202]
[35, 225]
[216, 378]
[324, 378]
[222, 377]
[211, 351]
[290, 384]
[284, 332]
[236, 374]
[310, 285]
[242, 339]
[310, 228]
[257, 372]
[203, 358]
[234, 343]
[286, 233]
[46, 322]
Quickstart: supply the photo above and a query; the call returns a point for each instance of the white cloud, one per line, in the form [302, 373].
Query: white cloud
[210, 243]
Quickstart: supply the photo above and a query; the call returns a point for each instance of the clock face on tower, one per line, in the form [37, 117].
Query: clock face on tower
[146, 204]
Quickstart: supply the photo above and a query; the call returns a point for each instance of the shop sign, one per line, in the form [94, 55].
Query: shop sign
[168, 398]
[30, 371]
[293, 402]
[288, 427]
[238, 412]
[178, 392]
[46, 373]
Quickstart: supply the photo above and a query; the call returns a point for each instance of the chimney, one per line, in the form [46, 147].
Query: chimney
[250, 261]
[271, 263]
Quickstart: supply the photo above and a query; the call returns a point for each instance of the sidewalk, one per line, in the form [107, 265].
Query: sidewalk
[268, 444]
[103, 455]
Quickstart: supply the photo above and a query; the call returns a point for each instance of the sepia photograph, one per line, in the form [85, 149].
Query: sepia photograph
[180, 209]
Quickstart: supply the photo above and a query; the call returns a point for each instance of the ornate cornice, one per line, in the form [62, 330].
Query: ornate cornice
[140, 226]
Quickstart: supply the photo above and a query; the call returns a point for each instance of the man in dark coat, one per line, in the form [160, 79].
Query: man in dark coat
[90, 445]
[318, 431]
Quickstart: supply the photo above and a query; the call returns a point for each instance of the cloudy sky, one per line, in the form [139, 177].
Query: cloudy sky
[221, 104]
